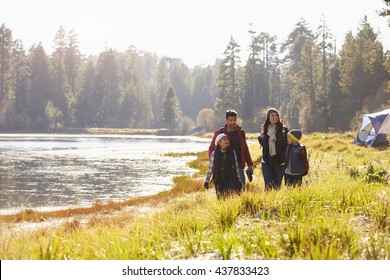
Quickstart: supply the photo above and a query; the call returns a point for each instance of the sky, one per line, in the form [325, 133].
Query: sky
[197, 31]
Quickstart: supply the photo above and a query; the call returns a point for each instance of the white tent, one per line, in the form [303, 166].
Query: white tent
[374, 130]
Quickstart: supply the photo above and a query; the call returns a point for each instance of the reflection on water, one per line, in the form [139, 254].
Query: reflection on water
[44, 172]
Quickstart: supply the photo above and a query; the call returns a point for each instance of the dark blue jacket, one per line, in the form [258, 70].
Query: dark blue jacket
[298, 156]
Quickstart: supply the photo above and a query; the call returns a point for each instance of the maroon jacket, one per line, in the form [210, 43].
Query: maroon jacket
[245, 155]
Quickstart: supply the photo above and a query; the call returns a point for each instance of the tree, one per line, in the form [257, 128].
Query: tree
[385, 12]
[53, 114]
[308, 84]
[171, 111]
[135, 109]
[328, 58]
[72, 60]
[85, 107]
[335, 96]
[269, 70]
[293, 47]
[17, 115]
[258, 77]
[325, 45]
[179, 75]
[229, 79]
[361, 70]
[107, 89]
[202, 89]
[206, 119]
[20, 69]
[5, 70]
[72, 63]
[251, 79]
[160, 88]
[60, 82]
[40, 86]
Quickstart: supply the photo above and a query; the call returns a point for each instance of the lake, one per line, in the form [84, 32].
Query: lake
[45, 172]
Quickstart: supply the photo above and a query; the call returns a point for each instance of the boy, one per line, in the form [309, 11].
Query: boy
[297, 164]
[223, 168]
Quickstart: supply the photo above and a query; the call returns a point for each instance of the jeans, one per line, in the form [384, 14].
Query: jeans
[293, 180]
[273, 175]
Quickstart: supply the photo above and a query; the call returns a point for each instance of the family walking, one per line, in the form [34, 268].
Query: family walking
[282, 156]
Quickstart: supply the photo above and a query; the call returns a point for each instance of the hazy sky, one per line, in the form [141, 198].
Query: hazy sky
[197, 31]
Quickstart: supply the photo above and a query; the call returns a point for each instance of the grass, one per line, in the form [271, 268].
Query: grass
[341, 212]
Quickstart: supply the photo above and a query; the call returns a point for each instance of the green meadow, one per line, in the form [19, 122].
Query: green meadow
[341, 212]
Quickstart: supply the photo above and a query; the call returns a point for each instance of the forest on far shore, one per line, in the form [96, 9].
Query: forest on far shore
[315, 86]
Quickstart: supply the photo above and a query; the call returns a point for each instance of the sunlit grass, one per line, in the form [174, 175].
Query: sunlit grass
[341, 212]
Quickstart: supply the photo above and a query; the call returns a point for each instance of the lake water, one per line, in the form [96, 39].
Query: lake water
[48, 172]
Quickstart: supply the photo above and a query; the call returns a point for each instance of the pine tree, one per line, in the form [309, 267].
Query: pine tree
[269, 70]
[85, 109]
[202, 89]
[72, 63]
[5, 71]
[160, 88]
[60, 82]
[171, 111]
[336, 111]
[361, 70]
[229, 80]
[327, 50]
[180, 81]
[294, 47]
[107, 90]
[135, 109]
[308, 83]
[252, 80]
[20, 84]
[39, 93]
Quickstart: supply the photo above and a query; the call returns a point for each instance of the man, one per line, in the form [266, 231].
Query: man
[237, 139]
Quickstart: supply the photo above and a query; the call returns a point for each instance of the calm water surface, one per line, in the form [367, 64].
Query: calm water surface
[46, 172]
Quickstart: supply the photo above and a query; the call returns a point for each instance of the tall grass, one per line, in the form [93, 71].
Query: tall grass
[338, 213]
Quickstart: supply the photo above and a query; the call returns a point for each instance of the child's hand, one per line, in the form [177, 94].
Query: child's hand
[206, 185]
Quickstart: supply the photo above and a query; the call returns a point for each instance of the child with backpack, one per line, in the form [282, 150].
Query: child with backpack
[296, 161]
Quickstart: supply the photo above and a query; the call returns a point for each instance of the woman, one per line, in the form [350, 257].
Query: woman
[273, 140]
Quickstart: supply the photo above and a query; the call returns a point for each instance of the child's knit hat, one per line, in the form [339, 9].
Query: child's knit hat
[219, 137]
[295, 134]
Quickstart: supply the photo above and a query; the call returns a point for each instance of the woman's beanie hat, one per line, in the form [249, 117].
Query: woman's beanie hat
[219, 137]
[295, 134]
[269, 111]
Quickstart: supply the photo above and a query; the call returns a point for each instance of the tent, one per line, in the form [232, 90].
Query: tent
[374, 130]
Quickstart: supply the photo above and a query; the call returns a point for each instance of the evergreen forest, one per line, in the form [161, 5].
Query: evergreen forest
[314, 85]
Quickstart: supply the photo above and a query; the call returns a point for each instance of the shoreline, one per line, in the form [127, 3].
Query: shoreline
[90, 205]
[200, 163]
[112, 207]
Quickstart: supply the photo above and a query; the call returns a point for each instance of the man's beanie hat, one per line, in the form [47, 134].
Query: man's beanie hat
[219, 137]
[295, 134]
[271, 110]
